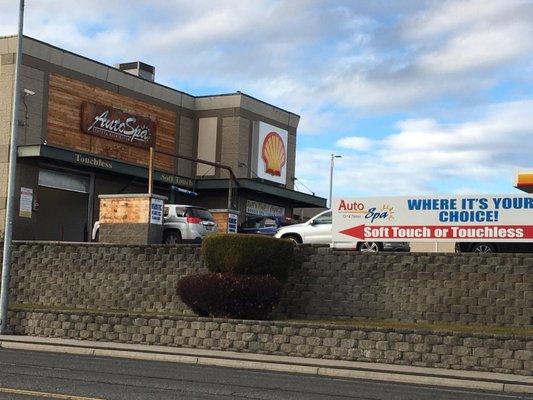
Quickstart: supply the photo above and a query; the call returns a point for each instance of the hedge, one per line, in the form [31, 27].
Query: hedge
[230, 296]
[248, 255]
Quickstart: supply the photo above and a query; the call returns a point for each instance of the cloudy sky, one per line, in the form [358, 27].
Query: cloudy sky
[418, 97]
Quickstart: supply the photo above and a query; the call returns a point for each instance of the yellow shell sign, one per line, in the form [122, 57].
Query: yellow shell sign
[274, 154]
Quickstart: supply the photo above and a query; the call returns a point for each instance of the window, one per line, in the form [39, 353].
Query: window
[252, 223]
[200, 213]
[270, 222]
[323, 219]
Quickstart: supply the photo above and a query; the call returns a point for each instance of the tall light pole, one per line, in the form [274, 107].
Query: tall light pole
[333, 157]
[8, 230]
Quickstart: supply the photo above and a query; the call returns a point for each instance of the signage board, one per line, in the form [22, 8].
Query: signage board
[507, 218]
[26, 202]
[156, 211]
[112, 123]
[232, 223]
[263, 209]
[272, 153]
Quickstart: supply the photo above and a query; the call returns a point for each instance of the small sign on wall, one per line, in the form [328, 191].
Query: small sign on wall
[156, 212]
[26, 202]
[232, 223]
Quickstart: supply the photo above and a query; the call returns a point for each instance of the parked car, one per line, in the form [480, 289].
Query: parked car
[187, 224]
[181, 224]
[318, 231]
[261, 225]
[493, 247]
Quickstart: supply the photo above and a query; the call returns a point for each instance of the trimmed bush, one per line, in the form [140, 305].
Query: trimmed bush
[230, 296]
[248, 255]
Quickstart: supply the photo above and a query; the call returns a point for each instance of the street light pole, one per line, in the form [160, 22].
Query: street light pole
[333, 157]
[8, 230]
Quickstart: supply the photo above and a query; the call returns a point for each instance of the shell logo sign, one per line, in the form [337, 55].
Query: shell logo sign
[270, 155]
[274, 154]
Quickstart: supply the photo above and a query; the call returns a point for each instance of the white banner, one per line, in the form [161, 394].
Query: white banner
[506, 218]
[263, 209]
[26, 202]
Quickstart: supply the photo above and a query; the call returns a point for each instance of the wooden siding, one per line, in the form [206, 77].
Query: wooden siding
[125, 210]
[66, 96]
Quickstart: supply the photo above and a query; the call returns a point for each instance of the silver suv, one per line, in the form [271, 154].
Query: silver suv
[187, 224]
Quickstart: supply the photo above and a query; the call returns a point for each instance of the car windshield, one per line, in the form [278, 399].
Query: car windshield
[200, 213]
[252, 223]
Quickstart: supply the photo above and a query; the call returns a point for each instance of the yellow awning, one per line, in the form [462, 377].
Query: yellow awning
[524, 182]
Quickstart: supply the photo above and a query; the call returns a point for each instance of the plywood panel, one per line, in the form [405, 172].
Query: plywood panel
[66, 96]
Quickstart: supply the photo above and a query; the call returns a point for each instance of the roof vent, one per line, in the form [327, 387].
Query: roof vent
[139, 69]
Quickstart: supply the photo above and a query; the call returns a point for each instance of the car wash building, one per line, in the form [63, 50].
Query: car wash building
[86, 128]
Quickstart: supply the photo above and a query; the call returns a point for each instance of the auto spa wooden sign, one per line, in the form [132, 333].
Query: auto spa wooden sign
[507, 218]
[112, 123]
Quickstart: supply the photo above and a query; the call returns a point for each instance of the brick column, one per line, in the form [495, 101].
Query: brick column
[226, 220]
[131, 218]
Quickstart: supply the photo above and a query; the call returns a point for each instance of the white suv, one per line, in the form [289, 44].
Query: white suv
[318, 231]
[181, 224]
[187, 224]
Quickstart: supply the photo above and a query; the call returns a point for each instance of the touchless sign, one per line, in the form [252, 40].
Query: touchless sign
[506, 218]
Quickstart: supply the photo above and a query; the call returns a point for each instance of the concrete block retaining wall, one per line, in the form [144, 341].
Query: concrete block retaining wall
[467, 351]
[456, 288]
[495, 289]
[99, 276]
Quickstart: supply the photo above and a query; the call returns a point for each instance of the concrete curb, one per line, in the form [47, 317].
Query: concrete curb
[331, 368]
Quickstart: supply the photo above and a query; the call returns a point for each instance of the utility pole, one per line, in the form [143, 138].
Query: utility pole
[333, 157]
[8, 230]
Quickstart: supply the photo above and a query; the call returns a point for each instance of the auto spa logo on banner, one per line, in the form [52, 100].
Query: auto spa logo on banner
[506, 218]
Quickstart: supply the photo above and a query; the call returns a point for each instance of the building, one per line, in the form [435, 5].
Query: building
[85, 129]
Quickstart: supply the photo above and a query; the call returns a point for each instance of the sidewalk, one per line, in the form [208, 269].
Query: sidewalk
[312, 366]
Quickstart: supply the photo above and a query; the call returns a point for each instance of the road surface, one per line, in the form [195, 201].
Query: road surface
[38, 375]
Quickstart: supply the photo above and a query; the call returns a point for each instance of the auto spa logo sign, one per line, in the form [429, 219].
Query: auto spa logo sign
[507, 218]
[112, 123]
[272, 154]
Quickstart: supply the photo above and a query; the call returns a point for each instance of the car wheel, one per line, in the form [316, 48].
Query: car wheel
[483, 248]
[369, 247]
[172, 237]
[294, 239]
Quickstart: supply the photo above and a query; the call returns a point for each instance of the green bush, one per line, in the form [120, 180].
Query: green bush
[248, 255]
[229, 295]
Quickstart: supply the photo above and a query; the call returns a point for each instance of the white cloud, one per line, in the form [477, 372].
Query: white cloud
[425, 156]
[311, 57]
[355, 143]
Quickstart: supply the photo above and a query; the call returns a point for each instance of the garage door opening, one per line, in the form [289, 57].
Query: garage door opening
[63, 206]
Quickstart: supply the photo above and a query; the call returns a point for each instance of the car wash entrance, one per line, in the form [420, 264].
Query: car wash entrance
[64, 204]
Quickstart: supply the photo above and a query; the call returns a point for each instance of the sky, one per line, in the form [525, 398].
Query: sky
[418, 97]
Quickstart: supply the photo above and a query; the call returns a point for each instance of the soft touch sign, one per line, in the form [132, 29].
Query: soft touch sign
[506, 218]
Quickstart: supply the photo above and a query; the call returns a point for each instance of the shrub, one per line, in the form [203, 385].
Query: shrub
[230, 296]
[248, 255]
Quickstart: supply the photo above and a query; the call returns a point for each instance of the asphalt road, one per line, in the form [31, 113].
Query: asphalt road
[35, 375]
